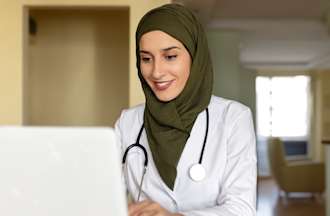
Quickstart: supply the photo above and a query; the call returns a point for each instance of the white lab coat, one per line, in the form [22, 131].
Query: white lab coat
[229, 187]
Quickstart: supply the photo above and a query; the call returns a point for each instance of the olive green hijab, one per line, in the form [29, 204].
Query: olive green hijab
[168, 124]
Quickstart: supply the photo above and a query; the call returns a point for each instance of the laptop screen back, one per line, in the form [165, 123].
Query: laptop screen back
[46, 171]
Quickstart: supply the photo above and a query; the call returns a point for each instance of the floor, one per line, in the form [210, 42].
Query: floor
[298, 204]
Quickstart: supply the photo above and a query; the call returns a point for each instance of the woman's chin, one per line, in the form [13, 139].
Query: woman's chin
[163, 97]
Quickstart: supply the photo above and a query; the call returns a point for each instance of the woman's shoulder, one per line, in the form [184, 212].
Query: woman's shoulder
[227, 108]
[228, 104]
[129, 123]
[133, 114]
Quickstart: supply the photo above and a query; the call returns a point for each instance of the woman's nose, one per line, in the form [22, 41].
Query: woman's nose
[158, 69]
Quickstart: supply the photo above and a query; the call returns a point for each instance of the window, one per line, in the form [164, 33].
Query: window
[282, 107]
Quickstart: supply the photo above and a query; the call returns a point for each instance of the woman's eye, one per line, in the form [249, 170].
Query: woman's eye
[170, 57]
[145, 59]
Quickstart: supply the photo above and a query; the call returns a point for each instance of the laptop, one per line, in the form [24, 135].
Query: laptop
[60, 171]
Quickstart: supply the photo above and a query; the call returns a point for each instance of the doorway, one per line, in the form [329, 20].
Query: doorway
[76, 66]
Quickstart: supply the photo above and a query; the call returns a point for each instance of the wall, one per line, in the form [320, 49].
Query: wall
[230, 79]
[316, 150]
[11, 48]
[320, 110]
[325, 89]
[11, 67]
[327, 183]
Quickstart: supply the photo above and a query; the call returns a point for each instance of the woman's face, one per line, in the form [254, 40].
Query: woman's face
[164, 63]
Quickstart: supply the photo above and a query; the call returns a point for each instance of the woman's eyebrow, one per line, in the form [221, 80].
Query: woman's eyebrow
[169, 48]
[164, 49]
[143, 51]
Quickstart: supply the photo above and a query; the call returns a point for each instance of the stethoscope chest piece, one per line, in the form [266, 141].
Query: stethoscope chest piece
[197, 172]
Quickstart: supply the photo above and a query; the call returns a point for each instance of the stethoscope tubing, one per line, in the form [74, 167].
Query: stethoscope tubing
[205, 137]
[137, 144]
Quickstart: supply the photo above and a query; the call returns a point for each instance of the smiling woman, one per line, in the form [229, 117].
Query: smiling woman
[198, 149]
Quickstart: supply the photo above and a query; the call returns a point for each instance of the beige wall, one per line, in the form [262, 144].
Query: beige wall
[323, 95]
[325, 78]
[11, 62]
[11, 48]
[321, 112]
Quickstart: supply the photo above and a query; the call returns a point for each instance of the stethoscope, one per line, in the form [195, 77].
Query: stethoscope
[196, 172]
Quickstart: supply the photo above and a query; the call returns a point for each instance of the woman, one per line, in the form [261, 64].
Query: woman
[200, 148]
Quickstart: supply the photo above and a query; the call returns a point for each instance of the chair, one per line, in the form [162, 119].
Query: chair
[295, 176]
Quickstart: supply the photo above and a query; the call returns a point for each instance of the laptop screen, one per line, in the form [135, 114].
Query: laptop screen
[60, 171]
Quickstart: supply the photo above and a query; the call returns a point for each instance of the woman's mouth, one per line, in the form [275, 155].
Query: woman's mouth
[163, 85]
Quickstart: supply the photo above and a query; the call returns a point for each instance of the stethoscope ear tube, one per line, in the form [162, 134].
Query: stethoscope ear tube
[137, 144]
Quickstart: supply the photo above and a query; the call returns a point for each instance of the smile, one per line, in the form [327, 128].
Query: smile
[161, 86]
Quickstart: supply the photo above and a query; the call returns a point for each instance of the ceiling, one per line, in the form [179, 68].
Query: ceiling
[267, 9]
[275, 33]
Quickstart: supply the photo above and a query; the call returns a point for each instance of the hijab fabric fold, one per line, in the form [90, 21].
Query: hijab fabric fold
[168, 124]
